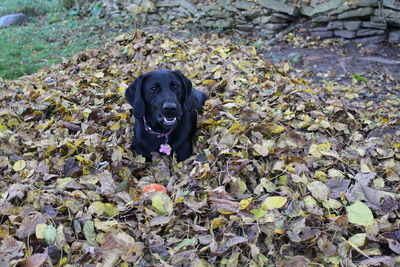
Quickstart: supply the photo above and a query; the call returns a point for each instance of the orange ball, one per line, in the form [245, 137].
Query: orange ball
[155, 187]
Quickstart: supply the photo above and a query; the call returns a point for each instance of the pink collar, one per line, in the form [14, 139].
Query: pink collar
[158, 135]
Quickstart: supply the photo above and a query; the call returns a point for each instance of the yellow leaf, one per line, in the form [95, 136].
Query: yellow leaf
[320, 175]
[116, 126]
[237, 128]
[244, 203]
[104, 226]
[99, 74]
[225, 212]
[384, 120]
[275, 129]
[84, 160]
[86, 112]
[334, 173]
[121, 116]
[273, 203]
[78, 142]
[98, 207]
[3, 128]
[314, 151]
[209, 83]
[286, 67]
[324, 146]
[19, 165]
[250, 50]
[4, 231]
[365, 168]
[261, 150]
[40, 229]
[217, 222]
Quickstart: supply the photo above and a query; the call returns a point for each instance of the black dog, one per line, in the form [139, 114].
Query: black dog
[165, 107]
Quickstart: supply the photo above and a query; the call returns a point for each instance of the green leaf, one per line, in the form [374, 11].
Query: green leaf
[162, 203]
[19, 165]
[186, 242]
[358, 240]
[359, 78]
[50, 234]
[359, 213]
[318, 190]
[46, 232]
[110, 209]
[88, 231]
[258, 213]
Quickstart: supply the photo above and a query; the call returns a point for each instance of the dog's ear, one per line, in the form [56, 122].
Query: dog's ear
[187, 91]
[134, 96]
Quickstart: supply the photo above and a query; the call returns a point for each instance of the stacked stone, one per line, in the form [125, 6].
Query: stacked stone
[362, 20]
[368, 21]
[171, 10]
[246, 14]
[277, 16]
[241, 16]
[391, 14]
[217, 15]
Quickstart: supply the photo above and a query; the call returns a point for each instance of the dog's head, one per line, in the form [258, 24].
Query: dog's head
[161, 95]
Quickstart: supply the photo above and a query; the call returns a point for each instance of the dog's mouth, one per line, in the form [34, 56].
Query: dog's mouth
[169, 121]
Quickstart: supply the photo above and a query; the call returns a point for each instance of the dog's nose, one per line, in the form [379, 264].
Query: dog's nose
[169, 108]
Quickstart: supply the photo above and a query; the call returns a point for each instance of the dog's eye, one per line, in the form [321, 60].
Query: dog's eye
[154, 88]
[175, 86]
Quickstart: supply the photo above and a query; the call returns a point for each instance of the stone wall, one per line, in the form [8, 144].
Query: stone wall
[364, 20]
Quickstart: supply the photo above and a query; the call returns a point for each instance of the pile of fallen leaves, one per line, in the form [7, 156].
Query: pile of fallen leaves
[285, 172]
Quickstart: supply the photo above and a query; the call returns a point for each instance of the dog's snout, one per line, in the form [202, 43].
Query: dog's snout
[169, 108]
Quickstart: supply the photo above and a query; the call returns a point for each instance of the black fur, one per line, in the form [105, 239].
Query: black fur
[160, 96]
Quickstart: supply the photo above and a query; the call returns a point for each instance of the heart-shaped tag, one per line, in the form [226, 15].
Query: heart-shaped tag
[166, 149]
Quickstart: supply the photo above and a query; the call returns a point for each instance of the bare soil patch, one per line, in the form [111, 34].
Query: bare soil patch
[340, 61]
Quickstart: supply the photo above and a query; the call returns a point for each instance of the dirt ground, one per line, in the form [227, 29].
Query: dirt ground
[339, 61]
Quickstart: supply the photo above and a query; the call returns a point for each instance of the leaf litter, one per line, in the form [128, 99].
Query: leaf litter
[284, 172]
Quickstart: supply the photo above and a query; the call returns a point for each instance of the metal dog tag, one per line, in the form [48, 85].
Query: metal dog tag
[166, 149]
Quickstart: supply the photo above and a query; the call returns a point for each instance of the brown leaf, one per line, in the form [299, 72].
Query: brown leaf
[298, 261]
[195, 205]
[326, 246]
[160, 220]
[16, 191]
[71, 126]
[337, 187]
[230, 243]
[108, 185]
[71, 168]
[28, 224]
[378, 261]
[36, 260]
[224, 204]
[10, 249]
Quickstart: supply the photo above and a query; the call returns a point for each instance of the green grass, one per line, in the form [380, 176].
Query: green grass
[54, 31]
[24, 49]
[32, 8]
